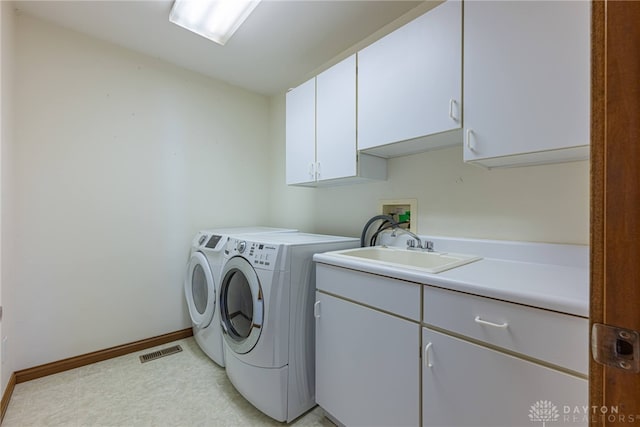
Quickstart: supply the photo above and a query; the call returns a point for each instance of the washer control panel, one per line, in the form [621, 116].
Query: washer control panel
[259, 255]
[206, 242]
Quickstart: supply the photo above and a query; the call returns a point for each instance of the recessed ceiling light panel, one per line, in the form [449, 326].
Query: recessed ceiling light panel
[216, 20]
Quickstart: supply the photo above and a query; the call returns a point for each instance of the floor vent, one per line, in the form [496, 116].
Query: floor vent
[160, 353]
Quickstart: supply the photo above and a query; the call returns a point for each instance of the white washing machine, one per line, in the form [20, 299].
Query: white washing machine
[201, 285]
[267, 291]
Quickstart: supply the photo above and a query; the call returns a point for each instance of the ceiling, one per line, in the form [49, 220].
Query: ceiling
[280, 45]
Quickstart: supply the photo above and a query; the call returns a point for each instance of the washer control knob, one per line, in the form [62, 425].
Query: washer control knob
[242, 245]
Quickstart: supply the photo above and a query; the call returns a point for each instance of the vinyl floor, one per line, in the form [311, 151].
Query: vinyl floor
[182, 389]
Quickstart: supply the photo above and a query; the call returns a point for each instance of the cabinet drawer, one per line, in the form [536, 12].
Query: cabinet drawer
[556, 338]
[391, 295]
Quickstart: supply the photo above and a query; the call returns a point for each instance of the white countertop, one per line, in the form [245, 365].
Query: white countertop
[525, 273]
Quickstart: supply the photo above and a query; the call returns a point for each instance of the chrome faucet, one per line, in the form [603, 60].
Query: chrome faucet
[416, 243]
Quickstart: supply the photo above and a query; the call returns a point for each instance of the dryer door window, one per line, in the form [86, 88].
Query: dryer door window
[199, 290]
[241, 305]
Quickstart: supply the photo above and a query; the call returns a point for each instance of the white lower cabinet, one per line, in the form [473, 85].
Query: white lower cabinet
[367, 348]
[367, 365]
[494, 363]
[391, 352]
[465, 384]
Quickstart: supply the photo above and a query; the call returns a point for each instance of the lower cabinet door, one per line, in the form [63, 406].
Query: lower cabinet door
[367, 365]
[465, 384]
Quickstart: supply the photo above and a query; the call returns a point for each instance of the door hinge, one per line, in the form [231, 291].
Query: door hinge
[616, 347]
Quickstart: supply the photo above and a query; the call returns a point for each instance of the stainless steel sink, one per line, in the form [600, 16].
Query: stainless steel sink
[430, 262]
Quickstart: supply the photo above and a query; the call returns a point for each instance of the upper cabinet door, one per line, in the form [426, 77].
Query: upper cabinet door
[409, 82]
[301, 133]
[336, 121]
[526, 81]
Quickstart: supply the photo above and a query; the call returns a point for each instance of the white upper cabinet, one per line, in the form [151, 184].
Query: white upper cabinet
[301, 133]
[526, 82]
[336, 121]
[410, 86]
[321, 131]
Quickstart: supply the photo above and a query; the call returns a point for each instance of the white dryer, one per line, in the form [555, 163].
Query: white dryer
[201, 285]
[267, 291]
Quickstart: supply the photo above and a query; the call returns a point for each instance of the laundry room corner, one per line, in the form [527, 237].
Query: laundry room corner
[7, 58]
[119, 159]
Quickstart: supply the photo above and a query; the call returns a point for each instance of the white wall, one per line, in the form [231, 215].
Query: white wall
[540, 203]
[119, 160]
[7, 18]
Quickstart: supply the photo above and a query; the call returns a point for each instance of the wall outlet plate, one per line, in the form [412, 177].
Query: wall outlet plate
[398, 207]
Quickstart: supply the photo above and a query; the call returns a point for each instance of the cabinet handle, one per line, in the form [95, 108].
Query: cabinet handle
[316, 310]
[427, 360]
[495, 325]
[312, 172]
[469, 146]
[452, 102]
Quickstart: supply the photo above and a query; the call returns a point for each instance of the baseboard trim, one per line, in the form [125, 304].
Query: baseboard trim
[6, 396]
[96, 356]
